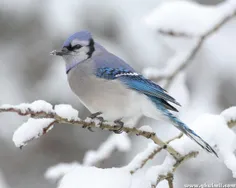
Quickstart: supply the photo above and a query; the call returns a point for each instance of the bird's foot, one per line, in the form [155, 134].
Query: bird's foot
[120, 125]
[96, 116]
[100, 119]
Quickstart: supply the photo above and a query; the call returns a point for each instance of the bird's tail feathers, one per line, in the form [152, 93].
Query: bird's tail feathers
[191, 134]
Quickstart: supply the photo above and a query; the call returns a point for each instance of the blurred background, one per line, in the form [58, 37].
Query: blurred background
[29, 31]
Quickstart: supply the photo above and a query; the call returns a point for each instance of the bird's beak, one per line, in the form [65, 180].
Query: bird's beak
[62, 52]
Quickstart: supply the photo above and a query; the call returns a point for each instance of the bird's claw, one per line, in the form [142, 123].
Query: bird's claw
[120, 126]
[100, 119]
[95, 115]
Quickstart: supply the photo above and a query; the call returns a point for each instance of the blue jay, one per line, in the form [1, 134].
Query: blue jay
[105, 83]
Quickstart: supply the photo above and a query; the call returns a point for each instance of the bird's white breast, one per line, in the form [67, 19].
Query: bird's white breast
[110, 97]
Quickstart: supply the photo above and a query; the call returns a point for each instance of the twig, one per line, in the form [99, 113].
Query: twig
[213, 29]
[156, 150]
[170, 181]
[193, 51]
[175, 33]
[169, 175]
[190, 55]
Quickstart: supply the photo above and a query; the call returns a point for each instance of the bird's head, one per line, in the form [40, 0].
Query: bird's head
[80, 45]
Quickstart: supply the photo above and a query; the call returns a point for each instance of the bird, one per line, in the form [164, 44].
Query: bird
[105, 84]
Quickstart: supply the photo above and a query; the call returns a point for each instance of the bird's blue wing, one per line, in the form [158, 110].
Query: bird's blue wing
[147, 87]
[111, 67]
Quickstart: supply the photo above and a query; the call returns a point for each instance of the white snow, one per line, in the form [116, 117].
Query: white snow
[97, 122]
[41, 105]
[146, 128]
[30, 130]
[163, 169]
[56, 172]
[140, 157]
[67, 111]
[91, 177]
[171, 16]
[88, 120]
[119, 142]
[22, 107]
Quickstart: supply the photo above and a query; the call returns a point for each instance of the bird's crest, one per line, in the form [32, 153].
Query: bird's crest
[82, 36]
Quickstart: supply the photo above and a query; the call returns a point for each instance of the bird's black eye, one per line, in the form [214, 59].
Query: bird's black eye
[77, 46]
[72, 48]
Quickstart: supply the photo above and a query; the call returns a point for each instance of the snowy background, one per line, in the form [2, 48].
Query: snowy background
[130, 29]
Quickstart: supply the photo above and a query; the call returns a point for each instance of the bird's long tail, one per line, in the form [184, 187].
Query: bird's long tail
[190, 133]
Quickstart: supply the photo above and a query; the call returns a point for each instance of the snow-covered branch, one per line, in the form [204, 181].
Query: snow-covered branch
[169, 166]
[216, 129]
[143, 157]
[31, 130]
[66, 114]
[182, 59]
[43, 115]
[167, 20]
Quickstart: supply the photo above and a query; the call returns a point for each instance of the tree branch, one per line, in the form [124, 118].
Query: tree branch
[38, 111]
[92, 124]
[171, 33]
[169, 176]
[143, 160]
[210, 31]
[191, 53]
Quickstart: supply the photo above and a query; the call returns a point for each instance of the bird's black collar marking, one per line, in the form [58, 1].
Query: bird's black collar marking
[91, 48]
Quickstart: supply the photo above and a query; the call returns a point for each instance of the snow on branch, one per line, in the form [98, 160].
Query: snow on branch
[57, 172]
[66, 114]
[31, 130]
[222, 15]
[165, 171]
[189, 19]
[143, 157]
[43, 115]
